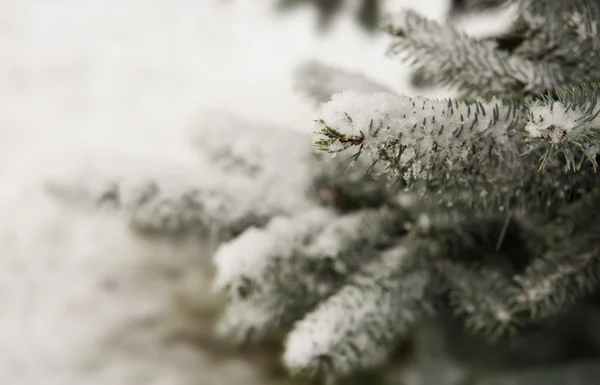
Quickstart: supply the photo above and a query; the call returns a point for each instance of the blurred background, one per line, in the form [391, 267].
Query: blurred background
[102, 71]
[104, 86]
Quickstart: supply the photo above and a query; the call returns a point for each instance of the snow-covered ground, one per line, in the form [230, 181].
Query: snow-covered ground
[92, 86]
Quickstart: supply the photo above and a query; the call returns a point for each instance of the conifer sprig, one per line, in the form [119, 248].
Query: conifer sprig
[419, 138]
[360, 326]
[444, 140]
[293, 263]
[475, 67]
[480, 298]
[569, 125]
[570, 269]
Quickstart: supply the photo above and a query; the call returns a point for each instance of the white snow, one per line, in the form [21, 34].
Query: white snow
[433, 130]
[558, 123]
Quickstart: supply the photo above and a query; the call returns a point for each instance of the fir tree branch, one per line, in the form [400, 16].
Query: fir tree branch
[475, 239]
[564, 33]
[359, 326]
[569, 126]
[181, 207]
[559, 278]
[556, 279]
[172, 205]
[480, 298]
[417, 136]
[292, 264]
[476, 67]
[573, 39]
[540, 28]
[463, 149]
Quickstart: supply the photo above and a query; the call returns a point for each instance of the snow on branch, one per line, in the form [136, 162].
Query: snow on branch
[476, 67]
[569, 38]
[185, 201]
[417, 137]
[455, 141]
[569, 126]
[359, 326]
[293, 263]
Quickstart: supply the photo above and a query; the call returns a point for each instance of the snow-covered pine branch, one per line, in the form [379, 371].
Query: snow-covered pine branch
[449, 142]
[569, 126]
[422, 139]
[185, 201]
[286, 268]
[360, 326]
[476, 67]
[567, 36]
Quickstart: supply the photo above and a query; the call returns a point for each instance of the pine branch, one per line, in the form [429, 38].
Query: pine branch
[416, 135]
[438, 145]
[476, 67]
[569, 271]
[563, 33]
[175, 205]
[168, 202]
[569, 126]
[502, 242]
[566, 272]
[479, 298]
[464, 150]
[359, 326]
[292, 264]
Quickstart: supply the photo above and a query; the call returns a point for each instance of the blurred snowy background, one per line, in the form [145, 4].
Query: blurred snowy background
[90, 87]
[121, 73]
